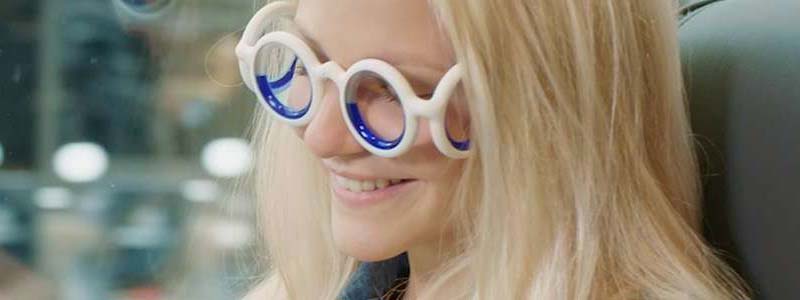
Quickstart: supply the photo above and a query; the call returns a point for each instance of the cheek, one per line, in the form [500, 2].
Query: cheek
[424, 158]
[383, 117]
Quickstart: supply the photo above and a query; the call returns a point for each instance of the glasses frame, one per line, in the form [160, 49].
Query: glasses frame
[255, 38]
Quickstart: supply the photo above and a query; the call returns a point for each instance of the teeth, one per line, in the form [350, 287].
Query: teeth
[381, 183]
[368, 186]
[364, 185]
[354, 186]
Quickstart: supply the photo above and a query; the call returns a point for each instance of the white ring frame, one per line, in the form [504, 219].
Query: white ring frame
[414, 107]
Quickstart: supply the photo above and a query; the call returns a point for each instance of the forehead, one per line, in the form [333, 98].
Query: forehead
[398, 31]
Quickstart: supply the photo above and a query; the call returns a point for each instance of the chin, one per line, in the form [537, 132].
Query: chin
[364, 240]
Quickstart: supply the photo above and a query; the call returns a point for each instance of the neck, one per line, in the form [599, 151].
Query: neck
[424, 262]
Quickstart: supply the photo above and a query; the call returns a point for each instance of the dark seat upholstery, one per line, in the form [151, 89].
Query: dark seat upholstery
[742, 73]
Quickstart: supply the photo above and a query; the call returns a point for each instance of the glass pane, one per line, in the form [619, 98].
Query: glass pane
[120, 126]
[282, 79]
[372, 102]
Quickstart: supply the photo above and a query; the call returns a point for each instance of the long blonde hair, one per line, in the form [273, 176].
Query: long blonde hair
[584, 182]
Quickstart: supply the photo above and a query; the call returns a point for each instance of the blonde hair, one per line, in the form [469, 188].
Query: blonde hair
[584, 182]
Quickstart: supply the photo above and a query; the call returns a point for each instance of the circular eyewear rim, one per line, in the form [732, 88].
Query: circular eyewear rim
[413, 106]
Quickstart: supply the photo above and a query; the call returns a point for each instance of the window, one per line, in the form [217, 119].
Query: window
[121, 141]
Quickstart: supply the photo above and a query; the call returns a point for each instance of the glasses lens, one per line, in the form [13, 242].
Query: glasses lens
[282, 80]
[457, 119]
[375, 109]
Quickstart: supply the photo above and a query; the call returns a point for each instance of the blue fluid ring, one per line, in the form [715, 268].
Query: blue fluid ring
[283, 82]
[460, 145]
[146, 5]
[366, 133]
[266, 88]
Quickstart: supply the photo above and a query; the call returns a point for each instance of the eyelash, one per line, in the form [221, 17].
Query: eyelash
[391, 98]
[300, 70]
[386, 94]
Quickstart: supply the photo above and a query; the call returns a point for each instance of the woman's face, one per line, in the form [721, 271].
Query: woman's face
[381, 206]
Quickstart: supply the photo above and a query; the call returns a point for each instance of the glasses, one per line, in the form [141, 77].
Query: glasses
[378, 104]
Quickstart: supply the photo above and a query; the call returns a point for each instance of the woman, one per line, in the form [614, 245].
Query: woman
[455, 149]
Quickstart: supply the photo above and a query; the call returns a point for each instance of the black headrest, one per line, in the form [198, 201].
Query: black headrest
[742, 72]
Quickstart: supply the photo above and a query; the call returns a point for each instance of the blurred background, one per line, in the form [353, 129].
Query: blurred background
[121, 143]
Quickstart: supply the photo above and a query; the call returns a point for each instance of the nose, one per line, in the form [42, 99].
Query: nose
[327, 134]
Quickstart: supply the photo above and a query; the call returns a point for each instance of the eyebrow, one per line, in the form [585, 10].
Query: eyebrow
[306, 37]
[421, 77]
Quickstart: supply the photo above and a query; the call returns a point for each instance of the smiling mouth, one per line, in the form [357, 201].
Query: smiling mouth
[359, 186]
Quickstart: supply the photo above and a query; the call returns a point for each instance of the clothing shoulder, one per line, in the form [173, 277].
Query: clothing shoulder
[373, 279]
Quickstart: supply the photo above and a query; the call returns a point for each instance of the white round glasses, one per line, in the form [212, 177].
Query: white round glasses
[378, 104]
